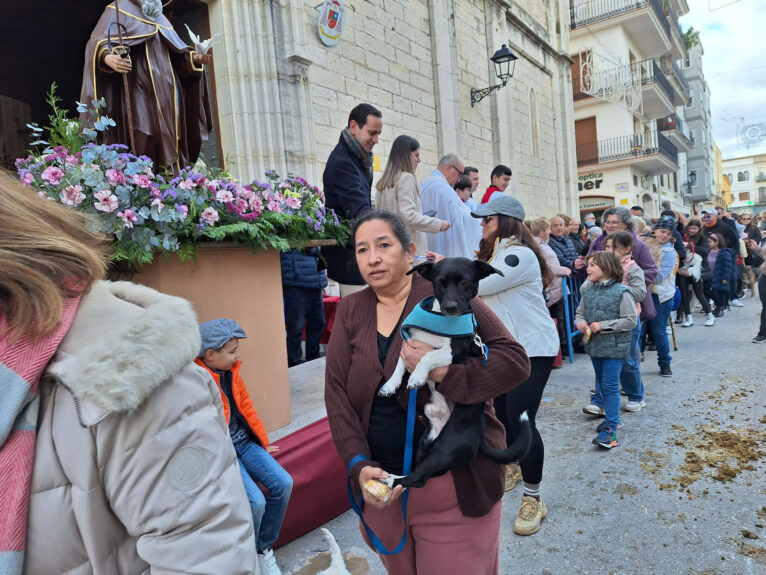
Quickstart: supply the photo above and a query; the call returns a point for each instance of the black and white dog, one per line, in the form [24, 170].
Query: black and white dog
[456, 431]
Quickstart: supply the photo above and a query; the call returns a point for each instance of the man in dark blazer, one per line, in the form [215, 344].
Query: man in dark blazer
[347, 182]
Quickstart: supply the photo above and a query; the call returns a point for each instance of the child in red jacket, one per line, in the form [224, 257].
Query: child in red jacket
[219, 354]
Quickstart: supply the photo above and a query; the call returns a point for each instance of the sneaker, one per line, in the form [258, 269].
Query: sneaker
[680, 318]
[634, 406]
[643, 356]
[669, 330]
[709, 319]
[665, 371]
[591, 409]
[512, 476]
[606, 439]
[736, 303]
[529, 516]
[759, 338]
[688, 322]
[602, 426]
[718, 312]
[268, 563]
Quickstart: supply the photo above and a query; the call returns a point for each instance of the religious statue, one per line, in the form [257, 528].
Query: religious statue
[152, 81]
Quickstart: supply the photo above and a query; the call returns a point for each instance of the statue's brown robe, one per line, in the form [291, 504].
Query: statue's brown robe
[168, 94]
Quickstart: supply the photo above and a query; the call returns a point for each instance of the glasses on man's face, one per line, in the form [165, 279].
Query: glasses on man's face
[459, 171]
[707, 216]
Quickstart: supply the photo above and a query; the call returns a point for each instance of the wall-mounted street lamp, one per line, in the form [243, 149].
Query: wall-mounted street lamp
[505, 64]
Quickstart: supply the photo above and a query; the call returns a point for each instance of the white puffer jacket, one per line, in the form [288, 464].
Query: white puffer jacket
[517, 298]
[134, 470]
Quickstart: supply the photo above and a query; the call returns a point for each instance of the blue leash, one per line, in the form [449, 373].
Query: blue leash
[357, 506]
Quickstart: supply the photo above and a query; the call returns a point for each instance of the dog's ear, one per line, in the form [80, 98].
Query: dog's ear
[484, 269]
[425, 269]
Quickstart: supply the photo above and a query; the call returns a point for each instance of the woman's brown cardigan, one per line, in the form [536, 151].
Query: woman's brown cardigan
[353, 373]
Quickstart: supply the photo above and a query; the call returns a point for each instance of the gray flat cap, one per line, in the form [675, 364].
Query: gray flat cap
[218, 332]
[506, 206]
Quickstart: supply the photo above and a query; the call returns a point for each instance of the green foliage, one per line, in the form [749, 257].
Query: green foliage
[691, 37]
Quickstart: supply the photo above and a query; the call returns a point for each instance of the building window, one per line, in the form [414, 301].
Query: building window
[762, 194]
[635, 180]
[740, 177]
[691, 98]
[730, 176]
[687, 62]
[692, 138]
[704, 140]
[744, 197]
[747, 175]
[693, 178]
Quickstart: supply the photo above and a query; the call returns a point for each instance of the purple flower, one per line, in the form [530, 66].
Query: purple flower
[183, 210]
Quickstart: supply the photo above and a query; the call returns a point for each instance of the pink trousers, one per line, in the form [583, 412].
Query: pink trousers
[440, 540]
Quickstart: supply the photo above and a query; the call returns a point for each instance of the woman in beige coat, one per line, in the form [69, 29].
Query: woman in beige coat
[398, 193]
[128, 468]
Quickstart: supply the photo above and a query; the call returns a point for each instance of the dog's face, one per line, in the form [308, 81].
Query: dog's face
[456, 282]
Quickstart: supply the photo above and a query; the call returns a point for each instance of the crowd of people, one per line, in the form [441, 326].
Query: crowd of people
[633, 277]
[137, 438]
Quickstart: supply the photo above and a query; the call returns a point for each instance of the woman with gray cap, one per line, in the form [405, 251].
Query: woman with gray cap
[517, 299]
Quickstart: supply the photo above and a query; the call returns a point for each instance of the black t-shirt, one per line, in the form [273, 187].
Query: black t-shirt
[387, 432]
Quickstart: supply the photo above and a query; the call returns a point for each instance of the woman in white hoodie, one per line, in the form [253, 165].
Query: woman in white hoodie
[517, 299]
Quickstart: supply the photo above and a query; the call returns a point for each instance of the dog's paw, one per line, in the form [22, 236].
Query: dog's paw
[388, 389]
[415, 382]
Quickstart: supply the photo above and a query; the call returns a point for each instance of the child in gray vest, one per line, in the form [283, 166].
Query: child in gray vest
[606, 316]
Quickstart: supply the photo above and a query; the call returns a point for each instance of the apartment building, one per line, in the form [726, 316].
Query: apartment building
[700, 160]
[722, 195]
[748, 182]
[629, 97]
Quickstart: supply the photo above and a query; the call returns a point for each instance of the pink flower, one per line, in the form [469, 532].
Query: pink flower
[156, 192]
[187, 184]
[275, 206]
[210, 216]
[148, 172]
[256, 204]
[72, 195]
[107, 201]
[224, 196]
[28, 179]
[293, 203]
[70, 160]
[52, 175]
[128, 216]
[142, 181]
[158, 202]
[115, 178]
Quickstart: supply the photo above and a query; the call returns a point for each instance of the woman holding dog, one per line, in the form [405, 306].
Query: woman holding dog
[517, 298]
[453, 522]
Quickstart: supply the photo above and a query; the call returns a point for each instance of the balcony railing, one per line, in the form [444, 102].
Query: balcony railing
[679, 76]
[651, 72]
[672, 122]
[585, 13]
[625, 148]
[760, 178]
[645, 72]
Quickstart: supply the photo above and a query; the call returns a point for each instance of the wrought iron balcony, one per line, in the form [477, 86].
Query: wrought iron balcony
[760, 178]
[600, 83]
[652, 149]
[585, 13]
[676, 131]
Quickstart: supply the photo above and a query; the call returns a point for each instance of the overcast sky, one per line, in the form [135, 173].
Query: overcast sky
[733, 35]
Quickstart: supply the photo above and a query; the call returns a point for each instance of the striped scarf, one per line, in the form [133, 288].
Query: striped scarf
[356, 148]
[22, 362]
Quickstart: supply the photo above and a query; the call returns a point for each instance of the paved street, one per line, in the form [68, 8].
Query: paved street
[683, 493]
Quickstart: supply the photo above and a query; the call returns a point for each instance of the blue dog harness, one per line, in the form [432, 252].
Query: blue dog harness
[423, 317]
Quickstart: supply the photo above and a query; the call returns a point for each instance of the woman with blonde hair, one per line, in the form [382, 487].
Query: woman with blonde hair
[116, 446]
[541, 230]
[397, 192]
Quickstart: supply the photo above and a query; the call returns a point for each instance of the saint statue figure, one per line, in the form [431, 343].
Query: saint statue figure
[165, 83]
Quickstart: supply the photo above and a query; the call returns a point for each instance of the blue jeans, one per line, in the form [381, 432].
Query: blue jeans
[657, 326]
[256, 464]
[630, 378]
[303, 306]
[608, 387]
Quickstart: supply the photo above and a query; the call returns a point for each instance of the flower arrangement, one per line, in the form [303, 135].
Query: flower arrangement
[148, 213]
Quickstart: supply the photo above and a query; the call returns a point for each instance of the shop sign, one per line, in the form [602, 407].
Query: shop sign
[332, 17]
[596, 203]
[590, 181]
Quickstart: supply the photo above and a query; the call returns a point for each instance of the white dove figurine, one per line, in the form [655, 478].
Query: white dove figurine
[200, 46]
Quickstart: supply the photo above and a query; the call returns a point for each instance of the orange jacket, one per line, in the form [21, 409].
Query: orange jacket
[243, 401]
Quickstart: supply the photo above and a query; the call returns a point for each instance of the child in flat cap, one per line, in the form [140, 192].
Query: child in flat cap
[219, 354]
